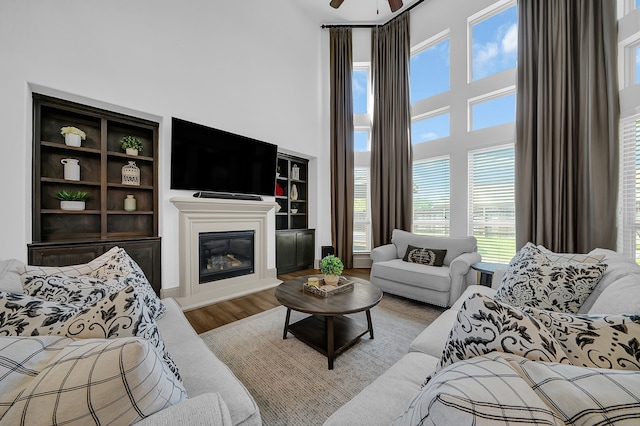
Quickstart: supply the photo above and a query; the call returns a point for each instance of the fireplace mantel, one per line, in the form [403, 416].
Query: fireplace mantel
[198, 215]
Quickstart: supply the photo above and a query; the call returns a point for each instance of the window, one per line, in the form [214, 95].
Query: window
[361, 209]
[637, 80]
[361, 140]
[429, 70]
[431, 205]
[492, 202]
[494, 42]
[430, 128]
[496, 110]
[360, 90]
[630, 187]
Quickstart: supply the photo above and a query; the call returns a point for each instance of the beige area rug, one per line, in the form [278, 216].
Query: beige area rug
[290, 381]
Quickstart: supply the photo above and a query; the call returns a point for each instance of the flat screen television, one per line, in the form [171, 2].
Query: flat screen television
[212, 160]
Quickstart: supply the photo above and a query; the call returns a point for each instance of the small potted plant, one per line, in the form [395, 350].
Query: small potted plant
[294, 208]
[131, 145]
[72, 135]
[72, 200]
[331, 266]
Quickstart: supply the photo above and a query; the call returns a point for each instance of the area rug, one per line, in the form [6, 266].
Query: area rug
[290, 381]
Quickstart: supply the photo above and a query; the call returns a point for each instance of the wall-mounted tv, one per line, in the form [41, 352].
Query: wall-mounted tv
[212, 160]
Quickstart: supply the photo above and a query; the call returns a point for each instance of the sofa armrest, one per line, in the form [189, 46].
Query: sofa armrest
[205, 409]
[459, 271]
[385, 252]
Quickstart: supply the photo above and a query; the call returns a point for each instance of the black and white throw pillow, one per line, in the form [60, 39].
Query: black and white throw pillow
[80, 290]
[602, 341]
[122, 314]
[484, 325]
[24, 315]
[424, 256]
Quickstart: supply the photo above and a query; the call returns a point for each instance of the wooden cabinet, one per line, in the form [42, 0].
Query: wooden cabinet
[295, 250]
[292, 192]
[101, 159]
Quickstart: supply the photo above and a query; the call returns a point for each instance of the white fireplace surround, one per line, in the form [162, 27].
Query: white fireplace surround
[199, 215]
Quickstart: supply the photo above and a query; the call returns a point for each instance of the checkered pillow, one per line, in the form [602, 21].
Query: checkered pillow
[96, 381]
[484, 325]
[79, 291]
[603, 341]
[71, 270]
[122, 314]
[24, 315]
[571, 257]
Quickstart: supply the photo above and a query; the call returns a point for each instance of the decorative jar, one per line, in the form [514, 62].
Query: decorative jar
[131, 174]
[295, 172]
[331, 279]
[71, 168]
[130, 203]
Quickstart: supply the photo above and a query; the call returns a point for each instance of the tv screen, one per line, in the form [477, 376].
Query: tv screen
[207, 159]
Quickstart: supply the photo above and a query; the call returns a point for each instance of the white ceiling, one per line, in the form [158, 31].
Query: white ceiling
[351, 11]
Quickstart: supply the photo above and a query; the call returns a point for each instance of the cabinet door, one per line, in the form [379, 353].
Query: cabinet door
[63, 255]
[304, 249]
[286, 252]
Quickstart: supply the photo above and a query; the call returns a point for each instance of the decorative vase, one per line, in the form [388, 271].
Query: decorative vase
[331, 279]
[294, 211]
[72, 205]
[71, 139]
[130, 203]
[131, 174]
[71, 168]
[131, 151]
[294, 192]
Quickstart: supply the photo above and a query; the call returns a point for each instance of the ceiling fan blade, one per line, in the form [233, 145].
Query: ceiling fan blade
[394, 5]
[335, 3]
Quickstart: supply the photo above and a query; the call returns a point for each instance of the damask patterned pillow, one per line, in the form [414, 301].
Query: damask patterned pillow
[64, 289]
[424, 256]
[484, 325]
[24, 315]
[122, 314]
[602, 341]
[121, 268]
[560, 287]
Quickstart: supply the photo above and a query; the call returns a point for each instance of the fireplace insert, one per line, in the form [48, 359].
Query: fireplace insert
[225, 255]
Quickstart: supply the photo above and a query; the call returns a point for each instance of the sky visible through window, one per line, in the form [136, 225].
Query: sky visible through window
[359, 89]
[430, 128]
[494, 43]
[360, 140]
[493, 112]
[638, 60]
[429, 71]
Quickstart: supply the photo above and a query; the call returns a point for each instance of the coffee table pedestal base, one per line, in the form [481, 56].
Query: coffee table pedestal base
[328, 334]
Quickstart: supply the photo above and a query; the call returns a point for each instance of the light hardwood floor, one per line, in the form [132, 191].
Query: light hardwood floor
[216, 315]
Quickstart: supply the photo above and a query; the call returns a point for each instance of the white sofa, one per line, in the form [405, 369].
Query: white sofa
[387, 398]
[438, 285]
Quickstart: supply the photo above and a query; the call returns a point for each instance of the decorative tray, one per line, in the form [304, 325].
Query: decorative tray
[326, 290]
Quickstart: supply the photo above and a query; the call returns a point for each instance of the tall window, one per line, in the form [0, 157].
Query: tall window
[492, 202]
[429, 69]
[630, 187]
[637, 79]
[431, 203]
[361, 140]
[494, 42]
[360, 90]
[361, 211]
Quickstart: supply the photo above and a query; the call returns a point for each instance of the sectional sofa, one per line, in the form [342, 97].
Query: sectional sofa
[398, 395]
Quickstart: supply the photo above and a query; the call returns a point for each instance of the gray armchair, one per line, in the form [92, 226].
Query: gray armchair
[438, 285]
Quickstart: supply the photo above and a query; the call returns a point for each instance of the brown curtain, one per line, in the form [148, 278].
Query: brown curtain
[341, 144]
[391, 162]
[567, 124]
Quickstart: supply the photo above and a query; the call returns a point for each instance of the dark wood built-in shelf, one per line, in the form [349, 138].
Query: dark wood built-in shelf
[62, 237]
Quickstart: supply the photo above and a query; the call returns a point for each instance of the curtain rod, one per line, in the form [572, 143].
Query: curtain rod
[370, 25]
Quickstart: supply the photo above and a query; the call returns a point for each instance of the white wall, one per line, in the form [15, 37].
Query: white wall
[246, 66]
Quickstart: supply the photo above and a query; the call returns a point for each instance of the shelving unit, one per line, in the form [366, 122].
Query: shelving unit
[104, 222]
[295, 243]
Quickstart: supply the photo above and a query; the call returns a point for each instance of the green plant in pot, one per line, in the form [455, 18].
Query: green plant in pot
[72, 200]
[331, 266]
[131, 144]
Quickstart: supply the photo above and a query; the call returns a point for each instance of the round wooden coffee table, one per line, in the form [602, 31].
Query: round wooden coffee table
[327, 330]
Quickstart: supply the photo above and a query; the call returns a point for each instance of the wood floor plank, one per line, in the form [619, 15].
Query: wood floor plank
[218, 314]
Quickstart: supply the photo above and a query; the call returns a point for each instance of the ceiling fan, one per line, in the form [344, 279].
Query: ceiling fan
[393, 4]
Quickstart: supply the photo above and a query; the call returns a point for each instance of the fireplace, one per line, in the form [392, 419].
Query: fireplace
[225, 255]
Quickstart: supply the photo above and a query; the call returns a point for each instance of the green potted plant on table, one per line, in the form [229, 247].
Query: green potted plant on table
[331, 266]
[131, 145]
[72, 200]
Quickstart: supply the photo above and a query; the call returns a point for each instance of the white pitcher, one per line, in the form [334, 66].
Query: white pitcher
[71, 168]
